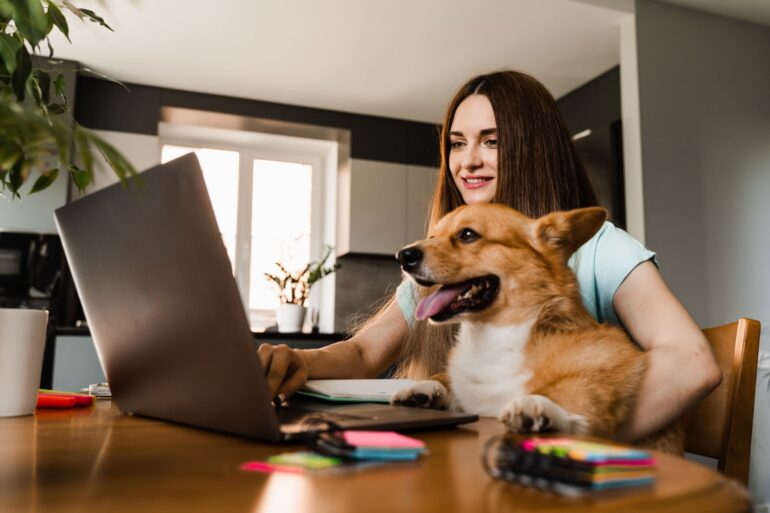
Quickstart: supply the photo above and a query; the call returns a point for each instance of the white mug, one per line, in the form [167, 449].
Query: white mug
[22, 341]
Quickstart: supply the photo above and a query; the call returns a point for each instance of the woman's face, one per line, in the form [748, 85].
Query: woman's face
[473, 150]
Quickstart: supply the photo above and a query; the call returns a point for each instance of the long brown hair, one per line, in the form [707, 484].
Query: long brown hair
[538, 172]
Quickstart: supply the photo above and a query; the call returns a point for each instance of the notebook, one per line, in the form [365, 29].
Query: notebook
[355, 390]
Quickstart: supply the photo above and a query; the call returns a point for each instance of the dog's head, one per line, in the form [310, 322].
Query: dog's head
[496, 265]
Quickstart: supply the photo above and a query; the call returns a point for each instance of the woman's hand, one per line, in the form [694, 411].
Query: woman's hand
[286, 370]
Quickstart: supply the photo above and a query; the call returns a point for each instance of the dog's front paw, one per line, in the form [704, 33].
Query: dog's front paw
[537, 413]
[423, 394]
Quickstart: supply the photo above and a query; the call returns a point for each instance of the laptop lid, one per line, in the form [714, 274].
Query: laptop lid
[162, 305]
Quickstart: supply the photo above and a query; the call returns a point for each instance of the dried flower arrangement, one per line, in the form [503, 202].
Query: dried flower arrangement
[295, 287]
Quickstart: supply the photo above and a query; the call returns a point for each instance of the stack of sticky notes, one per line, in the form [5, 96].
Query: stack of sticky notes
[382, 445]
[572, 466]
[56, 399]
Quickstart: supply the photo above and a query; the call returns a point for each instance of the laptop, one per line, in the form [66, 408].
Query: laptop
[167, 321]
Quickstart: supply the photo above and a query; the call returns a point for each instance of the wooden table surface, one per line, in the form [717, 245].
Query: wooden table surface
[98, 460]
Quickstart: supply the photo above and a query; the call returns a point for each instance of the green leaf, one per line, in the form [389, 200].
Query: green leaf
[45, 180]
[10, 152]
[117, 162]
[9, 45]
[56, 108]
[59, 20]
[50, 48]
[84, 150]
[80, 177]
[31, 21]
[44, 80]
[37, 95]
[6, 9]
[17, 175]
[59, 85]
[96, 19]
[105, 77]
[21, 73]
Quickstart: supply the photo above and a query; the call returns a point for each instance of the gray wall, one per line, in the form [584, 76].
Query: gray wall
[704, 91]
[362, 282]
[704, 85]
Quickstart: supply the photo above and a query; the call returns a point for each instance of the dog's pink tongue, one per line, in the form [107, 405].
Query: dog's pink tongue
[437, 301]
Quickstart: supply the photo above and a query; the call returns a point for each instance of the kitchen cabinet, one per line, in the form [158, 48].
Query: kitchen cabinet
[382, 206]
[76, 364]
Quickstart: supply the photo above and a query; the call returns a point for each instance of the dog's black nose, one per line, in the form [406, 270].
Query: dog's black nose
[409, 258]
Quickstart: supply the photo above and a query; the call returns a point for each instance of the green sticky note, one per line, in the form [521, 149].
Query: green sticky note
[305, 459]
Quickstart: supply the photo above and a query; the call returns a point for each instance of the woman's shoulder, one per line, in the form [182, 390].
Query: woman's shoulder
[612, 242]
[603, 263]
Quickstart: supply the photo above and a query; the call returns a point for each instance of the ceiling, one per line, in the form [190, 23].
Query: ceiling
[394, 58]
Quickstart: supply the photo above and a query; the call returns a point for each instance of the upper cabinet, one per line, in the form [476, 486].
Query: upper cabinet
[382, 206]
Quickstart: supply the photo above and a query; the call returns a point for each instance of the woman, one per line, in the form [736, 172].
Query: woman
[503, 140]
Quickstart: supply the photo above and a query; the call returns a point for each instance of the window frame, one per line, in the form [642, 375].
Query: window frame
[321, 155]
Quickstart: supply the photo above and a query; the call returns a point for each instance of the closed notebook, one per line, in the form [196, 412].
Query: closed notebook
[355, 390]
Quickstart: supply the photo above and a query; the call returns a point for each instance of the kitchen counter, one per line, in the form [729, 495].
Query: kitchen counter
[300, 340]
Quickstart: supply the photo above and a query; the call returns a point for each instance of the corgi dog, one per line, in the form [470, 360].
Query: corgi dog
[527, 351]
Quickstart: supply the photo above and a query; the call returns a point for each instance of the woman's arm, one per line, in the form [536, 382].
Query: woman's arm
[366, 355]
[682, 369]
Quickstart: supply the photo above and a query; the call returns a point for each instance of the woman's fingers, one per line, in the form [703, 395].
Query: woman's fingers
[286, 371]
[297, 377]
[276, 362]
[265, 352]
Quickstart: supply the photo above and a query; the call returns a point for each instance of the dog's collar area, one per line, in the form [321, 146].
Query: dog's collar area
[453, 299]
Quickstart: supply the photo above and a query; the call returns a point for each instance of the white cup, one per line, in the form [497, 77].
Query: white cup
[22, 341]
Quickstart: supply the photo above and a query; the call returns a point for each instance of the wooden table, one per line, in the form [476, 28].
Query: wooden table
[98, 460]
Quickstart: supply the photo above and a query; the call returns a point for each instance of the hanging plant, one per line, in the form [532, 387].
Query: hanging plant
[37, 130]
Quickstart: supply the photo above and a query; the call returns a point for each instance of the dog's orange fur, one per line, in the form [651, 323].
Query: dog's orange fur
[587, 368]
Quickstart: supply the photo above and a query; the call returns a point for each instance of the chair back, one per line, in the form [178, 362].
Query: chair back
[720, 425]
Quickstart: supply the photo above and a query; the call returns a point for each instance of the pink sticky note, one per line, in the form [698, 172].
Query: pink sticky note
[380, 439]
[263, 466]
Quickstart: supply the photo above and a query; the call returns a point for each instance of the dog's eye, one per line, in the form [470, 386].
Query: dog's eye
[467, 235]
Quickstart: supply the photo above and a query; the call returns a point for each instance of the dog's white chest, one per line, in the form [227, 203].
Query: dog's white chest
[487, 367]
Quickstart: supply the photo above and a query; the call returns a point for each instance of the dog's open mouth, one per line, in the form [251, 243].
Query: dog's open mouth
[450, 300]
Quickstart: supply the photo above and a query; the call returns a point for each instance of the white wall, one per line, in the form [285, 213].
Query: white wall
[33, 212]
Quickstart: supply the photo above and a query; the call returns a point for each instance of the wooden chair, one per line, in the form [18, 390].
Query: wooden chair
[720, 425]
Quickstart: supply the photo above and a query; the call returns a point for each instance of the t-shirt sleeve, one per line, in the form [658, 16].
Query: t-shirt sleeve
[617, 254]
[406, 297]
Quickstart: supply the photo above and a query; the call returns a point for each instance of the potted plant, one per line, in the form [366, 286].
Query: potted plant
[37, 131]
[39, 140]
[294, 289]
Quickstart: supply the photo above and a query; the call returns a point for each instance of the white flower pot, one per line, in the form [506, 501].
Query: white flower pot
[291, 317]
[22, 340]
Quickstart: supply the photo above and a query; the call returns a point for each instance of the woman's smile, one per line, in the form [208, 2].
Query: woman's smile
[476, 182]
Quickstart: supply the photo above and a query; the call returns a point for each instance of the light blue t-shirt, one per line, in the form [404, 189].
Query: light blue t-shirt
[600, 265]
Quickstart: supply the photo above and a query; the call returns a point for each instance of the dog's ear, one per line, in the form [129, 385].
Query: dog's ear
[565, 232]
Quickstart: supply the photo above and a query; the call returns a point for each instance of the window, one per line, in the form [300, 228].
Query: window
[268, 198]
